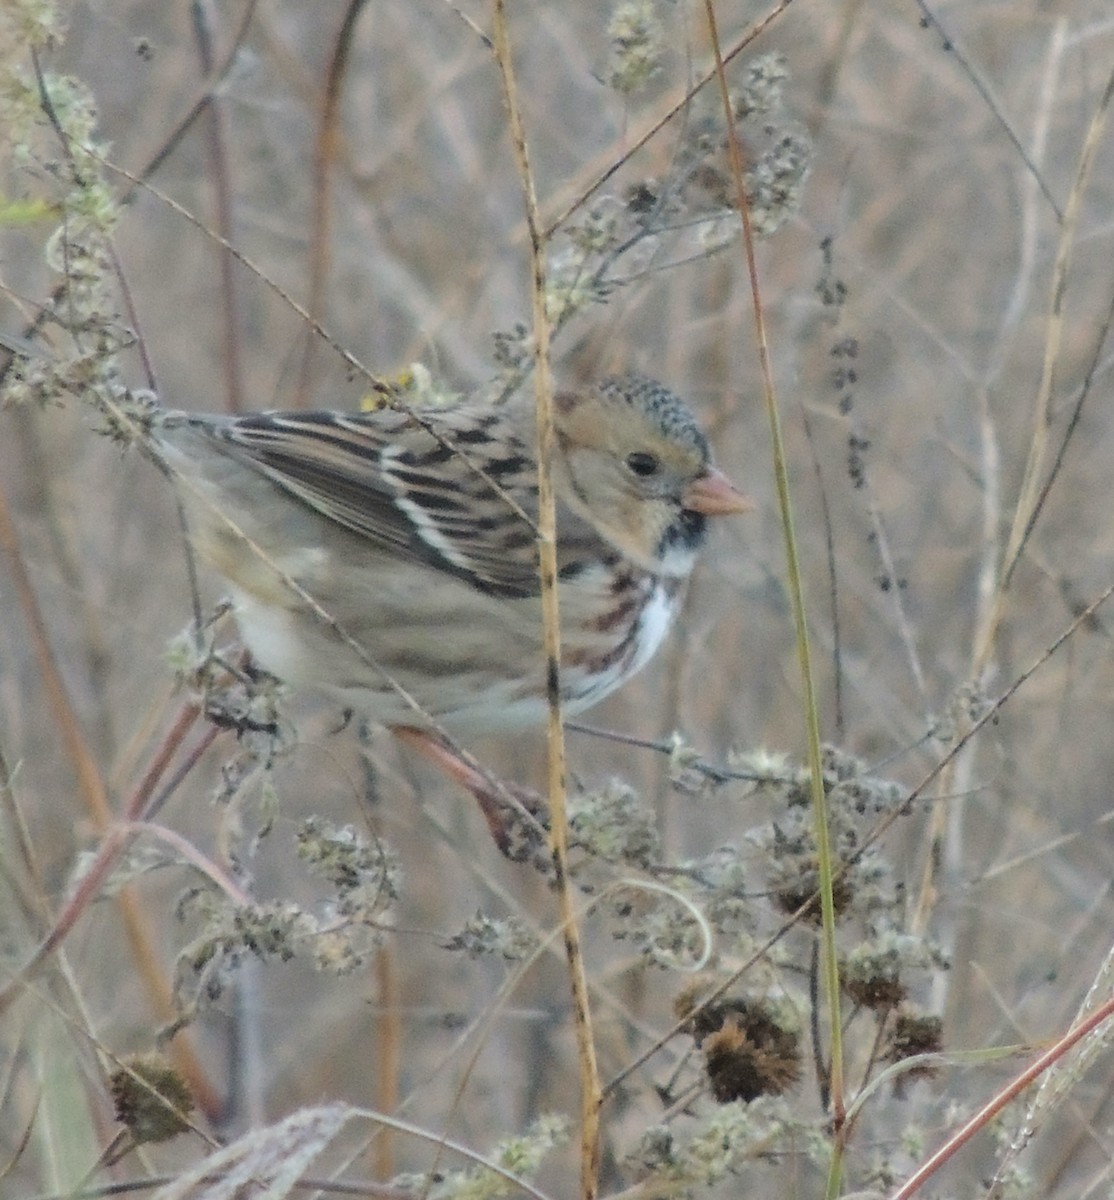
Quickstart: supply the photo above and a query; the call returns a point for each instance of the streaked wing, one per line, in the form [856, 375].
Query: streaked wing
[414, 494]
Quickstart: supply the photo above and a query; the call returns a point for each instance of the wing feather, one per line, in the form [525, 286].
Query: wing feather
[448, 498]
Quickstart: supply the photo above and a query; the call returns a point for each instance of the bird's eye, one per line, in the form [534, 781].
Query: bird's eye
[642, 463]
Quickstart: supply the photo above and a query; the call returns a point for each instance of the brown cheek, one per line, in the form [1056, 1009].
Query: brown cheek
[642, 525]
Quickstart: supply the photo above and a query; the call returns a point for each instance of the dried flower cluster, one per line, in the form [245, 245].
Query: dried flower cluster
[505, 937]
[49, 127]
[522, 1155]
[751, 1045]
[338, 936]
[690, 211]
[152, 1100]
[636, 40]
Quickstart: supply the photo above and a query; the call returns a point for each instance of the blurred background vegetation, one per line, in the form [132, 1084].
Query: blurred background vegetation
[937, 303]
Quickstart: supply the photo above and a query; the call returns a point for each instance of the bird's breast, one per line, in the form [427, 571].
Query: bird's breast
[621, 638]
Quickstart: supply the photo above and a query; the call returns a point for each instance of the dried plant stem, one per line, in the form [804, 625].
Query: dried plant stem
[379, 386]
[932, 19]
[1032, 494]
[388, 1051]
[547, 552]
[997, 1102]
[325, 153]
[1027, 509]
[89, 782]
[219, 161]
[423, 1134]
[1032, 497]
[829, 966]
[92, 789]
[117, 838]
[207, 89]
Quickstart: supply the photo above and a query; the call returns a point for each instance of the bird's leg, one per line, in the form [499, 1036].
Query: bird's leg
[513, 814]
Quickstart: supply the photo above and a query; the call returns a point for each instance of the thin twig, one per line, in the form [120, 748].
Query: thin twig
[547, 569]
[1030, 488]
[1073, 420]
[325, 152]
[981, 1120]
[983, 89]
[201, 11]
[114, 843]
[829, 961]
[1031, 494]
[833, 578]
[893, 586]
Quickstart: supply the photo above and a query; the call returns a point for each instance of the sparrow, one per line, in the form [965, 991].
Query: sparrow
[390, 558]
